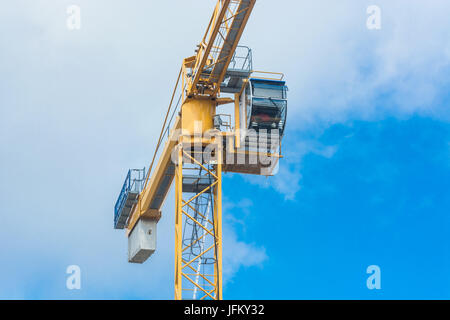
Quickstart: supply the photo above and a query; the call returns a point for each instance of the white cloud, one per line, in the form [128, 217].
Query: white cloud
[337, 70]
[288, 179]
[238, 254]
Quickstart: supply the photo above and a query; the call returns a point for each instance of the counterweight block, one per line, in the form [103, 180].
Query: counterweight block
[142, 241]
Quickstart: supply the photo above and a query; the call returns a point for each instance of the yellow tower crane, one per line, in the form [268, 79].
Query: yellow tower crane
[197, 145]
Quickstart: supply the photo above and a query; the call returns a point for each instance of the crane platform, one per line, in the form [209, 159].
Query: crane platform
[257, 155]
[239, 70]
[195, 183]
[129, 194]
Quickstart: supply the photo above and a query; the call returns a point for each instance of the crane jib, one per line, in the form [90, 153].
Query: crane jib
[213, 59]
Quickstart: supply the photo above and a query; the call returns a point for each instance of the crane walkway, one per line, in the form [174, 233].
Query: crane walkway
[229, 44]
[129, 194]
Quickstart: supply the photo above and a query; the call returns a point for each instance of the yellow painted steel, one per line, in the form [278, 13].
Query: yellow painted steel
[211, 288]
[218, 225]
[237, 121]
[217, 47]
[178, 225]
[197, 116]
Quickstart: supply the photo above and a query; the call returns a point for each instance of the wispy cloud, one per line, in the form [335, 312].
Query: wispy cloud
[338, 70]
[239, 254]
[287, 181]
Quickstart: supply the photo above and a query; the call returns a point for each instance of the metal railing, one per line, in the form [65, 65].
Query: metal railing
[220, 123]
[242, 59]
[264, 75]
[134, 182]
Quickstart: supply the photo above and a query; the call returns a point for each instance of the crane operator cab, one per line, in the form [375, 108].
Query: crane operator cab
[266, 105]
[262, 121]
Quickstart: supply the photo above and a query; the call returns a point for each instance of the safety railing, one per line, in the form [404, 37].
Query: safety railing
[264, 75]
[134, 182]
[223, 121]
[242, 59]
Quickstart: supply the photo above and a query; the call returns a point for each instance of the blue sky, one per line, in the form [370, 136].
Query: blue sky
[365, 178]
[382, 199]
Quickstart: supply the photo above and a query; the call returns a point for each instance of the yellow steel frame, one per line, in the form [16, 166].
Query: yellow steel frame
[184, 271]
[214, 42]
